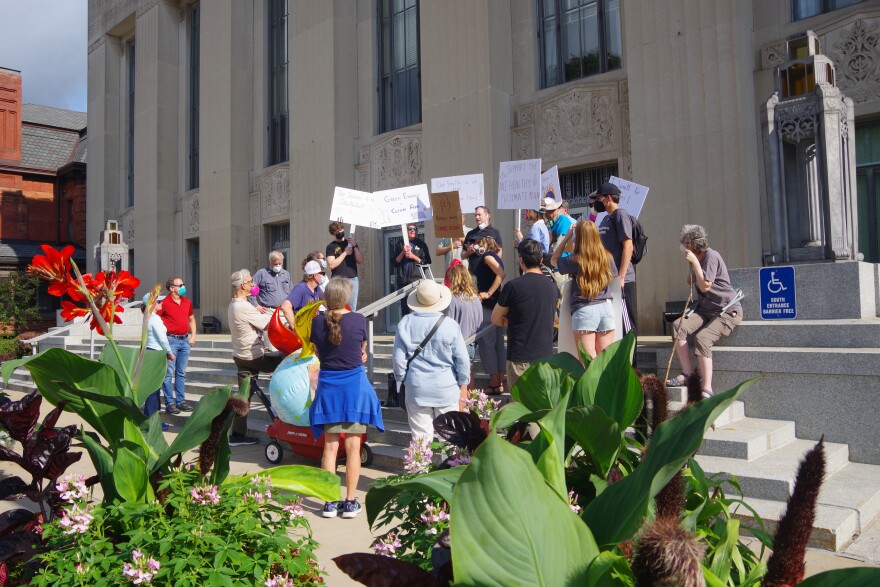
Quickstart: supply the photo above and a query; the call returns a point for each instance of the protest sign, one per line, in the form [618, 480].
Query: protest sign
[550, 187]
[401, 205]
[469, 187]
[519, 184]
[447, 215]
[353, 207]
[632, 197]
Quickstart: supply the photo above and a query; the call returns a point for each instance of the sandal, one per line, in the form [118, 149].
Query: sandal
[678, 381]
[707, 393]
[494, 390]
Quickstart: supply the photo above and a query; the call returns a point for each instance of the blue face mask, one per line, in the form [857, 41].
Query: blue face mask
[182, 290]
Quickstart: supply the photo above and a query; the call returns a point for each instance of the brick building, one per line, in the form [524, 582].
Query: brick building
[42, 179]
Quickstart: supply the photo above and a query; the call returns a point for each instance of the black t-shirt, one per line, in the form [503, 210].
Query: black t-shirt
[485, 277]
[347, 354]
[473, 235]
[531, 311]
[407, 272]
[348, 267]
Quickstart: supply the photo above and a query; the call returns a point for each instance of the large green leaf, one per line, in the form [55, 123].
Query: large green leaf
[610, 570]
[611, 383]
[54, 367]
[126, 405]
[508, 414]
[439, 483]
[723, 554]
[551, 443]
[198, 425]
[855, 577]
[568, 362]
[151, 375]
[151, 428]
[509, 528]
[130, 476]
[542, 385]
[619, 511]
[304, 480]
[596, 433]
[103, 462]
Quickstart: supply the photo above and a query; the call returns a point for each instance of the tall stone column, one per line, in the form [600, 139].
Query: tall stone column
[155, 142]
[225, 146]
[689, 67]
[102, 173]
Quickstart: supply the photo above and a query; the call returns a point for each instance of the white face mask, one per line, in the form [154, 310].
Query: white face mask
[277, 268]
[324, 280]
[482, 225]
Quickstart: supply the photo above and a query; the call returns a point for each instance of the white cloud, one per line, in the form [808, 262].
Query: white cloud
[47, 41]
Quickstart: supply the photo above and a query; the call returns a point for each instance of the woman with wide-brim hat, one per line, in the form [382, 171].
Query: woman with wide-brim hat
[437, 378]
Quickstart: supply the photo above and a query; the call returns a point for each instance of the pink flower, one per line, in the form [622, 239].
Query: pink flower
[73, 488]
[205, 494]
[418, 456]
[387, 546]
[294, 510]
[75, 520]
[141, 570]
[279, 581]
[572, 501]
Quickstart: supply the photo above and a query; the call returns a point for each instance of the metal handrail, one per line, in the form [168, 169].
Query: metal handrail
[35, 341]
[479, 334]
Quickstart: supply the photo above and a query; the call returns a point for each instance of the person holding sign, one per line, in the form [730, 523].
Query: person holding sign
[616, 231]
[537, 232]
[343, 257]
[452, 247]
[715, 315]
[592, 268]
[469, 254]
[413, 252]
[559, 222]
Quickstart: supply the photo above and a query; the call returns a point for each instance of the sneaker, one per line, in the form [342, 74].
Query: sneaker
[350, 508]
[165, 426]
[171, 409]
[238, 440]
[332, 509]
[184, 407]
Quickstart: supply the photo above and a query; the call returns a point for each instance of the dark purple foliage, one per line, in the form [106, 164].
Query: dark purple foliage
[461, 429]
[375, 570]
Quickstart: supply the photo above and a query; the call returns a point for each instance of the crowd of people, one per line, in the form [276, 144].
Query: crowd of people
[513, 318]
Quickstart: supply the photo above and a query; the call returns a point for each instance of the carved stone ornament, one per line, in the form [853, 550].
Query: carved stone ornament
[190, 208]
[626, 143]
[624, 91]
[275, 192]
[254, 245]
[364, 155]
[397, 162]
[525, 115]
[773, 55]
[362, 178]
[797, 122]
[115, 13]
[523, 145]
[580, 121]
[856, 55]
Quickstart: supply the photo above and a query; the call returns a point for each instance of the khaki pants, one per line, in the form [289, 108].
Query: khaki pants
[707, 330]
[514, 372]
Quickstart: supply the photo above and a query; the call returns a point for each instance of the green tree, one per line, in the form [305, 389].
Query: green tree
[18, 301]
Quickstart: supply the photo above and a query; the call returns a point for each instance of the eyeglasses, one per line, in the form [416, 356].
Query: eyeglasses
[410, 229]
[177, 284]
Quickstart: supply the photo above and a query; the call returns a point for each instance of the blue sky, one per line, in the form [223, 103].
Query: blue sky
[46, 41]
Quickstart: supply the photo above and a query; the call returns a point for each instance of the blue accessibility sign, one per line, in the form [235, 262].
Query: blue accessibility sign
[778, 300]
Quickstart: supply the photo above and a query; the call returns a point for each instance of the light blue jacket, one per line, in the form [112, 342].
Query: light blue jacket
[157, 335]
[443, 366]
[540, 233]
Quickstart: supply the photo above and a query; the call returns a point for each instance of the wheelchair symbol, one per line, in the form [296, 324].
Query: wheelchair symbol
[775, 286]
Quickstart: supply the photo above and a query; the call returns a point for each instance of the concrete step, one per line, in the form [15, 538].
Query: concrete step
[801, 360]
[863, 333]
[735, 412]
[746, 438]
[772, 475]
[866, 546]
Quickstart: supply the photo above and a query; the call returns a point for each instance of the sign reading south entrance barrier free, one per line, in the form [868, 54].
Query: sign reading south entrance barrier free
[778, 300]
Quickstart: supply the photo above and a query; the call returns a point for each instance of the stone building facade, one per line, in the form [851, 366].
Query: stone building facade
[219, 129]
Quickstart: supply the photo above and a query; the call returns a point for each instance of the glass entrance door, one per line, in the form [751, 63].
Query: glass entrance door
[868, 189]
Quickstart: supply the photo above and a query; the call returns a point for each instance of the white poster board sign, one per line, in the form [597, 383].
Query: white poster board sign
[469, 187]
[402, 205]
[550, 187]
[353, 207]
[519, 185]
[632, 197]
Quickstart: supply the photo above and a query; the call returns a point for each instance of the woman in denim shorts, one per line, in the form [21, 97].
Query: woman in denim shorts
[592, 269]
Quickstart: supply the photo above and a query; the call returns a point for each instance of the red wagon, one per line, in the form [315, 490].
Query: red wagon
[300, 438]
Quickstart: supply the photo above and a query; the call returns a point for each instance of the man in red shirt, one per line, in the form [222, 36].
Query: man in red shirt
[177, 314]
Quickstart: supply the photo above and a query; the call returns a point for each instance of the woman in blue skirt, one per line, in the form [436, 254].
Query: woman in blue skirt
[345, 402]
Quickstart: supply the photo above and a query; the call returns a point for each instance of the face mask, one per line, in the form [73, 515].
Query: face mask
[182, 290]
[255, 291]
[324, 263]
[479, 250]
[276, 268]
[324, 280]
[482, 225]
[340, 235]
[599, 206]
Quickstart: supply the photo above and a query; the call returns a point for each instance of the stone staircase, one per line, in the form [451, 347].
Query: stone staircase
[762, 453]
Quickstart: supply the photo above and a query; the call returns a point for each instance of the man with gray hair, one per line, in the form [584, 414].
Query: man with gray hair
[274, 283]
[246, 324]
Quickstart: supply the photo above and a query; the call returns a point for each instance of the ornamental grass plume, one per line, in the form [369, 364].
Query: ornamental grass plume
[670, 500]
[655, 390]
[694, 388]
[208, 450]
[786, 565]
[667, 555]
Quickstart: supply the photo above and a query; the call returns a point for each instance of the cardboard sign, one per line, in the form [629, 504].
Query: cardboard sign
[550, 187]
[402, 205]
[447, 215]
[469, 187]
[519, 185]
[632, 197]
[353, 207]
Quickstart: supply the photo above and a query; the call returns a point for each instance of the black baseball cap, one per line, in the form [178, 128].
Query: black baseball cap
[608, 189]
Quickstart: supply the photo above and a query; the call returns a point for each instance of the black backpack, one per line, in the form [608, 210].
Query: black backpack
[640, 241]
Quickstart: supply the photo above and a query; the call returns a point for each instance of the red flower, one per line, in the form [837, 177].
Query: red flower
[69, 310]
[121, 285]
[54, 266]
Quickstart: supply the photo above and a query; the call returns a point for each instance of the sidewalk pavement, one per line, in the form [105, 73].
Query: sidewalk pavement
[335, 535]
